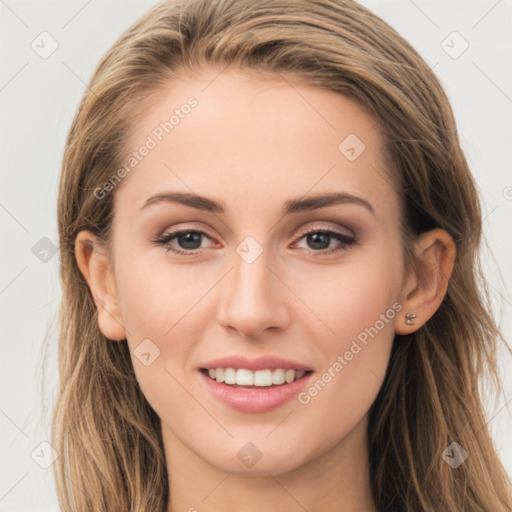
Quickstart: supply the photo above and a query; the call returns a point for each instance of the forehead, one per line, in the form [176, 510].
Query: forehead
[254, 143]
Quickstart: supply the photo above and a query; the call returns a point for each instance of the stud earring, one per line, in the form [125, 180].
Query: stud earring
[409, 318]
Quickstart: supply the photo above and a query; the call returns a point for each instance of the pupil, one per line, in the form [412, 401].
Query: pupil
[319, 237]
[190, 238]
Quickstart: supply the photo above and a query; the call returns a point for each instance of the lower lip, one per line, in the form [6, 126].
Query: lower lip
[255, 400]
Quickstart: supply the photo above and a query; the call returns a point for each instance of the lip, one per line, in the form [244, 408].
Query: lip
[255, 400]
[260, 363]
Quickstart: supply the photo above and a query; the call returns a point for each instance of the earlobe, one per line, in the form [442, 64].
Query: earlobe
[95, 266]
[425, 287]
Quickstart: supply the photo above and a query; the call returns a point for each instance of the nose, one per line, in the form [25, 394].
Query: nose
[253, 298]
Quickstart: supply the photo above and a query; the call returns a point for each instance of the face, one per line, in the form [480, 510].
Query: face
[263, 273]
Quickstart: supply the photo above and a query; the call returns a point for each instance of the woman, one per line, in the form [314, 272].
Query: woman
[319, 344]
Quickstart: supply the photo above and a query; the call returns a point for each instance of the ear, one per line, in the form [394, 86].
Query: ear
[423, 292]
[95, 266]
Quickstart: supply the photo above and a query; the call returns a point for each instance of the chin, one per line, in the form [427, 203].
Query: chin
[256, 458]
[273, 465]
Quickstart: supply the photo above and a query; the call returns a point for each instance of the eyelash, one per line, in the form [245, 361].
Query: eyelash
[347, 242]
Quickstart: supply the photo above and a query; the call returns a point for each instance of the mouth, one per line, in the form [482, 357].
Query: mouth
[257, 391]
[259, 379]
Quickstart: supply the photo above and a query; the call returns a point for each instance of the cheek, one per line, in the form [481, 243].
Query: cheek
[351, 297]
[155, 299]
[357, 304]
[156, 305]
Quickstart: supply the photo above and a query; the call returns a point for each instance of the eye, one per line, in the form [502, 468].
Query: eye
[189, 239]
[320, 239]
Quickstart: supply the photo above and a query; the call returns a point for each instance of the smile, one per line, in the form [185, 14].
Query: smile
[258, 378]
[262, 395]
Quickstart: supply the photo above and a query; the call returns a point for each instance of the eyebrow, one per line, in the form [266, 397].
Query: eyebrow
[300, 204]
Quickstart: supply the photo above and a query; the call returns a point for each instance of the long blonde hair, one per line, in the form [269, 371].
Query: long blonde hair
[108, 436]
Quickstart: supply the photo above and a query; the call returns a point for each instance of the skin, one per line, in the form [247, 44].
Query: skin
[253, 144]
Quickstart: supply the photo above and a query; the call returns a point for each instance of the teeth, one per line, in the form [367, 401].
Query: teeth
[262, 378]
[278, 376]
[289, 376]
[245, 377]
[230, 376]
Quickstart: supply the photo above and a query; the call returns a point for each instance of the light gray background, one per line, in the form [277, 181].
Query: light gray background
[38, 98]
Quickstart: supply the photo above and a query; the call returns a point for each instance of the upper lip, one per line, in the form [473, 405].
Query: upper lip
[260, 363]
